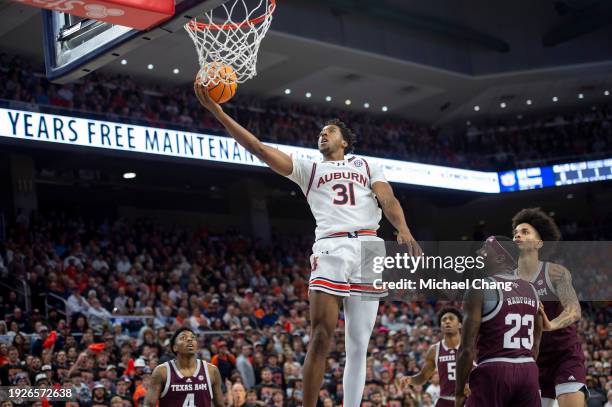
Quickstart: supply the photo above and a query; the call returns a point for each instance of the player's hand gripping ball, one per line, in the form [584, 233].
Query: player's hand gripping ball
[220, 81]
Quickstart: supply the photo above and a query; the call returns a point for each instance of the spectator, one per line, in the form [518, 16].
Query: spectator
[224, 360]
[99, 395]
[36, 347]
[271, 319]
[76, 303]
[237, 395]
[244, 366]
[97, 316]
[609, 403]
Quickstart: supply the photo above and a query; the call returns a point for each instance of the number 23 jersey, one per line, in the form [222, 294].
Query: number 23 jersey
[340, 193]
[507, 327]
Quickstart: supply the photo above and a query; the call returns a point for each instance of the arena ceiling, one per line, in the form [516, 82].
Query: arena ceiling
[433, 64]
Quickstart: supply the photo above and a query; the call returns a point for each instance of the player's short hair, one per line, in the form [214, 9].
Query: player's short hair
[449, 310]
[542, 223]
[347, 134]
[176, 335]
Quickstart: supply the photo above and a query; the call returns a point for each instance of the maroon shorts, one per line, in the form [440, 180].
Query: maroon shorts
[445, 403]
[562, 372]
[503, 384]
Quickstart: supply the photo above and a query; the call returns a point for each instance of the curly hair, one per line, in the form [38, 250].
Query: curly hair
[449, 310]
[540, 221]
[545, 226]
[347, 134]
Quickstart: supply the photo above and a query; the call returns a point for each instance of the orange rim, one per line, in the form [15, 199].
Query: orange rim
[195, 26]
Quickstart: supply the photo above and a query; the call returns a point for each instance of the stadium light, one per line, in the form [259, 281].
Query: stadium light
[287, 91]
[175, 71]
[606, 93]
[384, 108]
[555, 99]
[129, 175]
[308, 95]
[580, 96]
[150, 67]
[476, 108]
[502, 105]
[366, 105]
[124, 62]
[328, 98]
[529, 102]
[347, 102]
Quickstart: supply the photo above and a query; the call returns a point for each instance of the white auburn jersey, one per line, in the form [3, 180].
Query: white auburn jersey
[340, 193]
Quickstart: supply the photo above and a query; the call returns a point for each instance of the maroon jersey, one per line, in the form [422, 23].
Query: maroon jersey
[561, 340]
[506, 330]
[446, 366]
[181, 391]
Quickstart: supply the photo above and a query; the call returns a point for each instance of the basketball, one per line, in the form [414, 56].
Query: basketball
[221, 80]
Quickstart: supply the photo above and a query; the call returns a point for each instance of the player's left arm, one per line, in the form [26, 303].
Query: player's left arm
[395, 214]
[472, 317]
[562, 282]
[216, 380]
[537, 331]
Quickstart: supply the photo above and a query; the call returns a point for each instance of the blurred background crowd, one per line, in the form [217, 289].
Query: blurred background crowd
[107, 295]
[92, 303]
[504, 144]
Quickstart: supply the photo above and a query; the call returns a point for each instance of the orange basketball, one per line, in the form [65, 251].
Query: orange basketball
[222, 81]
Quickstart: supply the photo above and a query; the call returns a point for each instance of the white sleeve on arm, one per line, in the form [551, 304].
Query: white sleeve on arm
[376, 174]
[302, 172]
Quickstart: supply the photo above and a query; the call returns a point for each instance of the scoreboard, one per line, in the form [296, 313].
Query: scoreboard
[555, 175]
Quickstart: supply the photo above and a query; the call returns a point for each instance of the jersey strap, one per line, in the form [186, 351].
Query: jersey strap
[208, 381]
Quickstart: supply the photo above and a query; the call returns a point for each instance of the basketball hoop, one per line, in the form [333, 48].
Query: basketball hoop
[230, 35]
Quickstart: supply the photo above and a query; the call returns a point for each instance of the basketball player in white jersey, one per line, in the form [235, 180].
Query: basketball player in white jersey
[343, 195]
[185, 381]
[442, 357]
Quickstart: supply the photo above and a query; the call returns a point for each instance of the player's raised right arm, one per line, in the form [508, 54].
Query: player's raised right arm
[276, 159]
[155, 386]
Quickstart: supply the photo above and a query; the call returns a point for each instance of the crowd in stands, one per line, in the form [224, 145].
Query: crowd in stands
[573, 136]
[247, 301]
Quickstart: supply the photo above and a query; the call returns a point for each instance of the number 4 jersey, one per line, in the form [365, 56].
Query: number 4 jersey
[181, 391]
[339, 193]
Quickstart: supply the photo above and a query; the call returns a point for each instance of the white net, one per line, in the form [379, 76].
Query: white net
[230, 36]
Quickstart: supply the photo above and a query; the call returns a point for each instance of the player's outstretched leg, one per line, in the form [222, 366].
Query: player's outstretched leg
[324, 309]
[360, 317]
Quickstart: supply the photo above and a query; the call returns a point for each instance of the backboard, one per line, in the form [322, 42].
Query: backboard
[75, 46]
